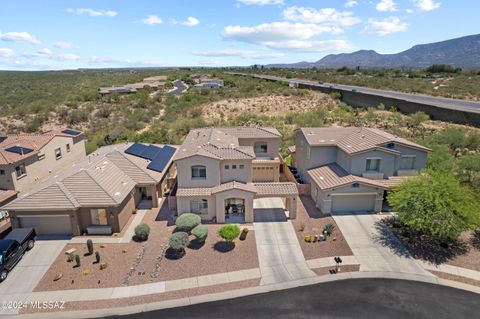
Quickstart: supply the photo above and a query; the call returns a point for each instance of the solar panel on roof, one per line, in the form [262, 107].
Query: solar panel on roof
[136, 149]
[150, 152]
[71, 132]
[162, 158]
[19, 150]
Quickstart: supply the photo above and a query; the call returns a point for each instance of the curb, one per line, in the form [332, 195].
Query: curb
[244, 292]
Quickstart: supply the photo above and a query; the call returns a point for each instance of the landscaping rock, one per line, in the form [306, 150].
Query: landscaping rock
[103, 266]
[58, 276]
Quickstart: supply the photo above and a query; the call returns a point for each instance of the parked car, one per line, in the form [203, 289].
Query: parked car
[13, 247]
[320, 82]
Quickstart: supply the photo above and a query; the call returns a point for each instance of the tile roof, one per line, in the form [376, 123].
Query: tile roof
[222, 143]
[354, 139]
[105, 182]
[6, 194]
[333, 175]
[187, 192]
[276, 189]
[33, 141]
[249, 187]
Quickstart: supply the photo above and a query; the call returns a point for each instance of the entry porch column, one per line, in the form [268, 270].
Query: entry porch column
[291, 205]
[154, 194]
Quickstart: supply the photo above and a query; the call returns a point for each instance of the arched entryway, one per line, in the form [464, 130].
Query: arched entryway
[234, 210]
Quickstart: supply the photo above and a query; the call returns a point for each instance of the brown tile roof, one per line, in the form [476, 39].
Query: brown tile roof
[249, 187]
[333, 175]
[53, 197]
[190, 192]
[222, 143]
[33, 141]
[355, 139]
[6, 195]
[276, 189]
[393, 181]
[291, 149]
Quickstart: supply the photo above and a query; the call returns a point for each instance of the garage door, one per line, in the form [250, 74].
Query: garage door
[263, 174]
[353, 203]
[48, 225]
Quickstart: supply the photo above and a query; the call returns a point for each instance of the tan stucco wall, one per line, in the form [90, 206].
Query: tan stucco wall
[183, 206]
[124, 213]
[184, 177]
[40, 170]
[239, 175]
[273, 145]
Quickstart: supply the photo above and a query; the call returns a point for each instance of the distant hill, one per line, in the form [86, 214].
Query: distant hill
[461, 52]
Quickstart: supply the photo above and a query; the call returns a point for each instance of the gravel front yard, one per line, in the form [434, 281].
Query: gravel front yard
[123, 302]
[145, 262]
[312, 221]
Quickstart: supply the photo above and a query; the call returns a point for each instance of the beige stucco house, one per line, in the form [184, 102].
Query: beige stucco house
[350, 168]
[99, 193]
[222, 170]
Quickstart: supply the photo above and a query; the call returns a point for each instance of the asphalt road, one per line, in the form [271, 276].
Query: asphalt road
[417, 98]
[354, 298]
[179, 88]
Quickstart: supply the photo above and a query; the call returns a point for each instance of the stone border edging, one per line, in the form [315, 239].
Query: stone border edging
[244, 292]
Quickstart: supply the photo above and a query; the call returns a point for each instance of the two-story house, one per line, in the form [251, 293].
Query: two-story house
[222, 170]
[27, 159]
[350, 168]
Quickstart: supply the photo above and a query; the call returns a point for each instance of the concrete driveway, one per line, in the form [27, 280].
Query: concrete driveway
[279, 253]
[374, 246]
[34, 264]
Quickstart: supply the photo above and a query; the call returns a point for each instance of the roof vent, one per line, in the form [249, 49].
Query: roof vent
[117, 193]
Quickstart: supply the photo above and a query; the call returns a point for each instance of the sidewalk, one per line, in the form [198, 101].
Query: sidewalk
[454, 270]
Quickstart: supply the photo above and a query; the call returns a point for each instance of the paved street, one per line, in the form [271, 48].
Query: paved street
[367, 240]
[279, 253]
[180, 87]
[353, 298]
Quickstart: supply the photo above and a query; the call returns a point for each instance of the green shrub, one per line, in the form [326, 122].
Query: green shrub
[328, 229]
[187, 221]
[142, 231]
[69, 258]
[179, 240]
[200, 232]
[229, 232]
[90, 246]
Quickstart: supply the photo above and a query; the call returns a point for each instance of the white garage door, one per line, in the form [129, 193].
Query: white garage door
[263, 174]
[47, 225]
[353, 203]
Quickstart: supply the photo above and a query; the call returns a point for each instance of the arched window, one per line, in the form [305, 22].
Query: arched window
[260, 147]
[199, 172]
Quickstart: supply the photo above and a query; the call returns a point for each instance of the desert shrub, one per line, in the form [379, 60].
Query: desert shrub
[229, 232]
[328, 229]
[200, 232]
[77, 261]
[90, 246]
[142, 231]
[178, 241]
[187, 221]
[97, 257]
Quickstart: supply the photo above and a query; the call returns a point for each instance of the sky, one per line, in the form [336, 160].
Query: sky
[49, 35]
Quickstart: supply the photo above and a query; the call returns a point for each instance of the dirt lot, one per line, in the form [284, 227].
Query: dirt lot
[463, 252]
[123, 302]
[271, 105]
[145, 262]
[312, 221]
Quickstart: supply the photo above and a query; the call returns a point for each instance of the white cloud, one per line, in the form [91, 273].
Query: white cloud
[6, 53]
[67, 57]
[427, 5]
[92, 12]
[63, 45]
[328, 16]
[45, 51]
[385, 26]
[386, 5]
[19, 37]
[312, 46]
[152, 20]
[247, 54]
[191, 21]
[260, 2]
[350, 3]
[408, 10]
[207, 61]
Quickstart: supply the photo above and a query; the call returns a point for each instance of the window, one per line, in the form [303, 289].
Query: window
[98, 216]
[260, 147]
[241, 166]
[390, 145]
[227, 167]
[407, 162]
[20, 170]
[198, 205]
[68, 147]
[373, 164]
[58, 153]
[355, 185]
[2, 172]
[41, 156]
[234, 166]
[199, 172]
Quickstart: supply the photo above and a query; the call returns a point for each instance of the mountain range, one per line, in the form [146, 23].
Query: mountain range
[461, 52]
